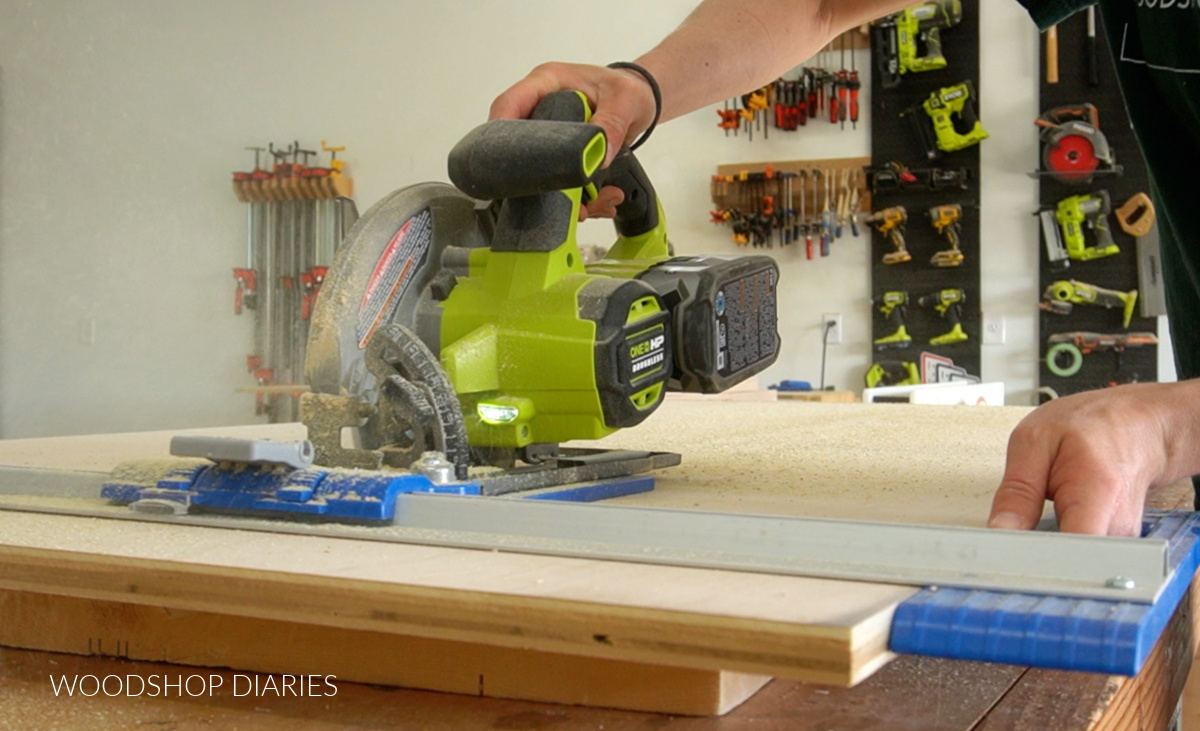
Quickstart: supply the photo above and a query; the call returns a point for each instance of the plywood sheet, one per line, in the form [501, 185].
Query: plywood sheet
[887, 462]
[910, 463]
[827, 630]
[891, 462]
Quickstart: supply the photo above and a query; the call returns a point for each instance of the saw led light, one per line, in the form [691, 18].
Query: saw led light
[497, 413]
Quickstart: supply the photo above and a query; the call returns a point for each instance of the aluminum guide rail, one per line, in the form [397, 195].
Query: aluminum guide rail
[1121, 569]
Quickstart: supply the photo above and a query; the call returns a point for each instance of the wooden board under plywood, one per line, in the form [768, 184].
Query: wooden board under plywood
[904, 695]
[210, 640]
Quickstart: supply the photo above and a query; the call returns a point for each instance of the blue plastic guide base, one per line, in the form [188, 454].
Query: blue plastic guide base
[1052, 632]
[595, 491]
[335, 495]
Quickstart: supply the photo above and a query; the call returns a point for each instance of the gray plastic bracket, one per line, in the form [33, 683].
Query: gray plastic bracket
[254, 451]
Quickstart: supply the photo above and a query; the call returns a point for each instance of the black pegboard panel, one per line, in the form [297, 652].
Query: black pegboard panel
[892, 139]
[1118, 272]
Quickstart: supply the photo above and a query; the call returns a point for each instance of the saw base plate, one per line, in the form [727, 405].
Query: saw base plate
[351, 495]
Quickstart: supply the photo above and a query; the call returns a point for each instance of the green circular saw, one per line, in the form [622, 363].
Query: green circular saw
[463, 321]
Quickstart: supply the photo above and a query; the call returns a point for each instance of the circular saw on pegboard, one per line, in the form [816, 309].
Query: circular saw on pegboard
[1075, 149]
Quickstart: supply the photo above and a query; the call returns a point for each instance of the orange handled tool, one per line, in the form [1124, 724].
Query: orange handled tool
[1052, 55]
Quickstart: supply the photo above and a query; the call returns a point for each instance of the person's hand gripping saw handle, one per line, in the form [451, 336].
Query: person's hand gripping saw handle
[622, 99]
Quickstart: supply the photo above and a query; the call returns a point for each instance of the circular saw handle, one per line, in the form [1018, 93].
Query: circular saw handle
[563, 106]
[555, 149]
[637, 213]
[508, 158]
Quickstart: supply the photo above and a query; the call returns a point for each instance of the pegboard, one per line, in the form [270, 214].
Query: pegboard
[1118, 272]
[893, 140]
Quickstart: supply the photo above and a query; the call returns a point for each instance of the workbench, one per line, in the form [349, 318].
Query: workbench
[932, 464]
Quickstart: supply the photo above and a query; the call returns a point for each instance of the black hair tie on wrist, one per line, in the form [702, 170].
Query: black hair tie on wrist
[657, 98]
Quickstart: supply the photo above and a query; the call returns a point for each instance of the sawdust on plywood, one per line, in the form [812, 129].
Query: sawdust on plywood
[855, 461]
[149, 471]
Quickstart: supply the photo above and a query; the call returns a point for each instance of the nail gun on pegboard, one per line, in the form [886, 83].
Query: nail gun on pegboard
[809, 203]
[297, 213]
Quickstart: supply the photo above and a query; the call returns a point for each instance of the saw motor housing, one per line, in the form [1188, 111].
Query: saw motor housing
[580, 351]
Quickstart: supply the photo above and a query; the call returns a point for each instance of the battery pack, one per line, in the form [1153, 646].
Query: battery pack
[724, 316]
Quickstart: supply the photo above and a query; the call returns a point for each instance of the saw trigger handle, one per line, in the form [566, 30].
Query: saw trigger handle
[637, 214]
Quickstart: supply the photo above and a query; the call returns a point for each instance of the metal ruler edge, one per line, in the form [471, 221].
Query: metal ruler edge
[1056, 564]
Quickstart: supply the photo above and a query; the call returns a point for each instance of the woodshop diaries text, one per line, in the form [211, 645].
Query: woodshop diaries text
[154, 686]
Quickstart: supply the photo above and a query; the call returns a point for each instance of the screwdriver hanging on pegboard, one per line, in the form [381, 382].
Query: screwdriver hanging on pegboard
[790, 103]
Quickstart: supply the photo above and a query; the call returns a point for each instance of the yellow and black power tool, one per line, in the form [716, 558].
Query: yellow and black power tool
[893, 305]
[1062, 296]
[890, 223]
[893, 373]
[475, 330]
[949, 122]
[1063, 229]
[949, 304]
[947, 220]
[899, 38]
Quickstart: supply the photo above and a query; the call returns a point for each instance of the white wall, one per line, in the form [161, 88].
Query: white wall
[123, 119]
[1009, 237]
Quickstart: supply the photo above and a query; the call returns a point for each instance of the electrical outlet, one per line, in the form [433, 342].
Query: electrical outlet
[833, 335]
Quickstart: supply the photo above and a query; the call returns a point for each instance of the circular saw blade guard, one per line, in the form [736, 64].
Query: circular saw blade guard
[382, 275]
